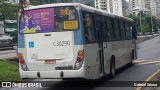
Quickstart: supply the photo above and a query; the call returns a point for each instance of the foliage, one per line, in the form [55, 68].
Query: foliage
[8, 71]
[146, 23]
[8, 11]
[14, 35]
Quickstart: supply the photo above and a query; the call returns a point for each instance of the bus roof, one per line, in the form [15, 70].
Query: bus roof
[83, 7]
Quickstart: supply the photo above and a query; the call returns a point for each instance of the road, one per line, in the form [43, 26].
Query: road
[7, 54]
[147, 63]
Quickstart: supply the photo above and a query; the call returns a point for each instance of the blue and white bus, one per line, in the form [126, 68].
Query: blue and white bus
[72, 40]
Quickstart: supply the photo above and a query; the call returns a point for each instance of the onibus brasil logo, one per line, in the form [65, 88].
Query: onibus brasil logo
[13, 84]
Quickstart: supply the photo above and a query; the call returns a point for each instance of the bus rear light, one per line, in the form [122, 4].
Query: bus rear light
[20, 56]
[80, 53]
[79, 59]
[22, 61]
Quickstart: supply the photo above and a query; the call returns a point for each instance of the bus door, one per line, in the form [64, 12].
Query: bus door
[99, 28]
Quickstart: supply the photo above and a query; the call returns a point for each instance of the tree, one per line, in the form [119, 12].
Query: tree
[8, 11]
[14, 35]
[146, 23]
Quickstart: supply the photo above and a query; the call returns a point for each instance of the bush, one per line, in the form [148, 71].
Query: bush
[15, 36]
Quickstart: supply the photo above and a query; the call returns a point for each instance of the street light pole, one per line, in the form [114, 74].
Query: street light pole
[152, 22]
[141, 22]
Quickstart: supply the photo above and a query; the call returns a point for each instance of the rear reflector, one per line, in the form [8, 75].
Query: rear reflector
[79, 59]
[22, 61]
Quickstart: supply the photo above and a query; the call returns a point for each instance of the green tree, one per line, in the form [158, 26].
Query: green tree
[14, 35]
[146, 23]
[8, 11]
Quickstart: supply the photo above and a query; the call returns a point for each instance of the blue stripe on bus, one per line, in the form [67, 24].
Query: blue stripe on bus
[79, 35]
[21, 42]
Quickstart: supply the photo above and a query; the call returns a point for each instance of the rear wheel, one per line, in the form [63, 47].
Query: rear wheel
[112, 69]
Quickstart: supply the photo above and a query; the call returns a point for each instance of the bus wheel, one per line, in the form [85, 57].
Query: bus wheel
[112, 69]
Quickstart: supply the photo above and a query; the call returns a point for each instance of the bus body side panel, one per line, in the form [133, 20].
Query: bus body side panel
[122, 51]
[92, 61]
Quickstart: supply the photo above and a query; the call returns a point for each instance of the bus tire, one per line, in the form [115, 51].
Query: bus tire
[112, 69]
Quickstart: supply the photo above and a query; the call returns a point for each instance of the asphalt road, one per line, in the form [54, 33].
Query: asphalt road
[7, 54]
[147, 63]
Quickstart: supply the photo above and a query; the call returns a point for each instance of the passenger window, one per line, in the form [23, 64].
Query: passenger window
[127, 29]
[122, 30]
[116, 30]
[89, 27]
[109, 26]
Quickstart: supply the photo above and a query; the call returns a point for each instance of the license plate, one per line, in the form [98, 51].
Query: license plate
[50, 61]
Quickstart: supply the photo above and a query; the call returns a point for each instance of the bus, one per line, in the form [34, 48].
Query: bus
[72, 40]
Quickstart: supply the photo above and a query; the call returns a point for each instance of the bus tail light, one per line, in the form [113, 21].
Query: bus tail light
[79, 61]
[22, 62]
[20, 56]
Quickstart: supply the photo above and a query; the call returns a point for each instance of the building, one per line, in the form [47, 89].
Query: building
[125, 7]
[158, 8]
[86, 2]
[148, 7]
[112, 6]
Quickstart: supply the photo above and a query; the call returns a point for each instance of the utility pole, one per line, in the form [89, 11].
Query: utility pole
[141, 22]
[152, 20]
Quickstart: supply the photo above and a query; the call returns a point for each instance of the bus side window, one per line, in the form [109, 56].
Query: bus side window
[127, 29]
[134, 31]
[122, 30]
[89, 27]
[109, 27]
[116, 30]
[131, 30]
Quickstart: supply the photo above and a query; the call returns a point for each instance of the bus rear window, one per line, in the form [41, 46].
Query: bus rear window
[48, 20]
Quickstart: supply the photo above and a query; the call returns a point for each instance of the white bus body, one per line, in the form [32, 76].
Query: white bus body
[67, 53]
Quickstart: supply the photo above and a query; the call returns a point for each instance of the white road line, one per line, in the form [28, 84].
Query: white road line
[143, 62]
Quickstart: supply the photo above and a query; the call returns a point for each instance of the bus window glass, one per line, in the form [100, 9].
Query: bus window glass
[105, 32]
[116, 30]
[49, 20]
[131, 29]
[127, 27]
[122, 30]
[109, 28]
[89, 27]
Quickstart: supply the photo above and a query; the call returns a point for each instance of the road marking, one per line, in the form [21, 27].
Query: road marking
[143, 62]
[152, 62]
[149, 78]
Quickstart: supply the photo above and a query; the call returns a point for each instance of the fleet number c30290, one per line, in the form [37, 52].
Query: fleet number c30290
[61, 43]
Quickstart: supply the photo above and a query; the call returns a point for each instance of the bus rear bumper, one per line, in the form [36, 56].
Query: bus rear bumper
[53, 74]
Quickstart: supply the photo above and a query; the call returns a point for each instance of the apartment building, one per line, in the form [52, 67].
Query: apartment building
[112, 6]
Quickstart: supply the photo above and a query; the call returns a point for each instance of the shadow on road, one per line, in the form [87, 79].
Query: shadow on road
[80, 84]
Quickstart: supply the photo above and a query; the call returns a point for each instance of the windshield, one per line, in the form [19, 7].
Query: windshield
[49, 20]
